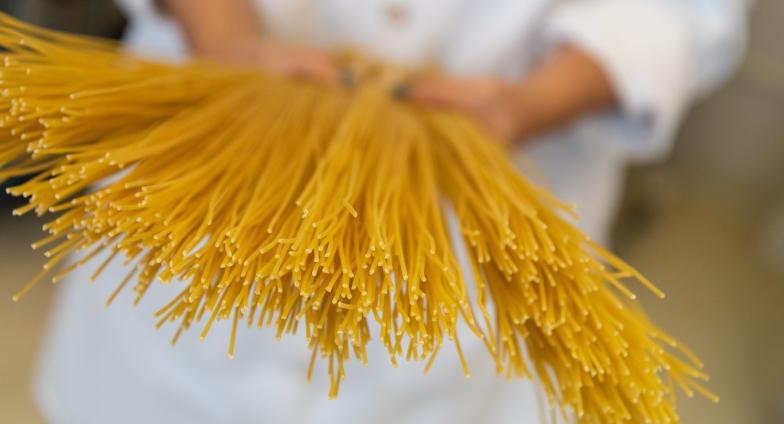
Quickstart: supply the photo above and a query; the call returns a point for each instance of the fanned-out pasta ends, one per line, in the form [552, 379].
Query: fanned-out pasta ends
[278, 203]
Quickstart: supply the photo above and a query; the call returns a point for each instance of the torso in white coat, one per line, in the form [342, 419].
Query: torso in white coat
[110, 366]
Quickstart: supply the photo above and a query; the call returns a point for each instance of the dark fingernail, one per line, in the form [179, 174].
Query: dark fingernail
[401, 91]
[347, 77]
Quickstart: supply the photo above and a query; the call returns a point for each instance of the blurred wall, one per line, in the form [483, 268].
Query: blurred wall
[95, 17]
[707, 225]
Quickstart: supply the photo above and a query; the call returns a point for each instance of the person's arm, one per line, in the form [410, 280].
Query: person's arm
[212, 27]
[649, 58]
[564, 86]
[231, 31]
[568, 84]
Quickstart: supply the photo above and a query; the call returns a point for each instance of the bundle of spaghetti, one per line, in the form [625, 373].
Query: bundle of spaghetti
[278, 203]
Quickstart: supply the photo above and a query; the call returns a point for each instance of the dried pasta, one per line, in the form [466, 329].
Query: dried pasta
[277, 203]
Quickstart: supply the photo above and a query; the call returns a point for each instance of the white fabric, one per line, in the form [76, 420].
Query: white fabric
[110, 366]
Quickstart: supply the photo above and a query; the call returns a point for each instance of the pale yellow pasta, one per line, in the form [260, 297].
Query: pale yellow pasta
[281, 204]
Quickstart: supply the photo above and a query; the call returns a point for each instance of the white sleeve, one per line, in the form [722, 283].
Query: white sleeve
[134, 8]
[151, 33]
[660, 56]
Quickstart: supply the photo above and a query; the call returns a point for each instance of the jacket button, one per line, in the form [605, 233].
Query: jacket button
[396, 13]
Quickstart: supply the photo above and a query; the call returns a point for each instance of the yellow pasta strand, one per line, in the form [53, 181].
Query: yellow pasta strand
[282, 204]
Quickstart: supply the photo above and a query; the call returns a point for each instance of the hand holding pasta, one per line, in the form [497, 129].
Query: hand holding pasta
[279, 58]
[279, 203]
[490, 102]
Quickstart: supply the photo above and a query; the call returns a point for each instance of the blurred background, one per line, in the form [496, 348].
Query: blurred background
[707, 225]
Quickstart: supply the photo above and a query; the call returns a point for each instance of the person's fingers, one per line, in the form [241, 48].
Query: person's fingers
[316, 68]
[298, 62]
[467, 95]
[437, 92]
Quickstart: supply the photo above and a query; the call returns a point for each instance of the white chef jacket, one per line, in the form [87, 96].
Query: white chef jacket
[110, 366]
